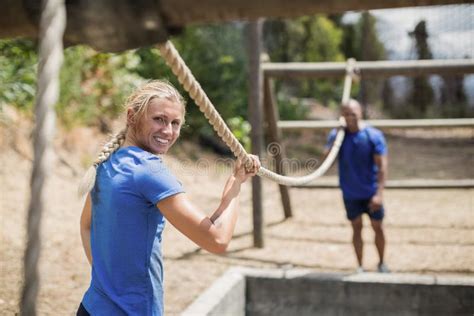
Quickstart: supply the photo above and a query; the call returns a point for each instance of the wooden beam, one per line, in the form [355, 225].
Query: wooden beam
[108, 25]
[185, 12]
[382, 124]
[401, 184]
[370, 68]
[115, 25]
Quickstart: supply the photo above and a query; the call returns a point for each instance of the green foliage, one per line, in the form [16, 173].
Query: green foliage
[367, 45]
[18, 73]
[216, 56]
[314, 38]
[94, 85]
[348, 43]
[453, 98]
[241, 130]
[305, 39]
[291, 108]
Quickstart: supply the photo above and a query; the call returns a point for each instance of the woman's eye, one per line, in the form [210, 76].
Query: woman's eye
[159, 119]
[175, 123]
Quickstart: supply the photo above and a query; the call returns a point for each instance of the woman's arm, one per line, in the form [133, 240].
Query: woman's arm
[85, 228]
[212, 233]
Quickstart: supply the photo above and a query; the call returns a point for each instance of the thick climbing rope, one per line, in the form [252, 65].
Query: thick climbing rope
[52, 25]
[192, 86]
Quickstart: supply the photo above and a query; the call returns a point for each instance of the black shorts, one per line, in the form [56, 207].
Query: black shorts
[82, 311]
[355, 208]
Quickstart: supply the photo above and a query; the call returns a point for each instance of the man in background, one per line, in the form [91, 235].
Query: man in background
[362, 173]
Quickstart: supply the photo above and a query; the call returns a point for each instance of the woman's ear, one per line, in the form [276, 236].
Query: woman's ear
[130, 117]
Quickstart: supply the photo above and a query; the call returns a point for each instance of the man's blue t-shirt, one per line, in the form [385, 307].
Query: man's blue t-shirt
[127, 268]
[357, 168]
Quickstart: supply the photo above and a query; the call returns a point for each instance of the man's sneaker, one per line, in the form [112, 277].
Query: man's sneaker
[382, 268]
[359, 270]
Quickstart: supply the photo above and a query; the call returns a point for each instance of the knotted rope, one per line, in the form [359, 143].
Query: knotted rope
[52, 25]
[192, 86]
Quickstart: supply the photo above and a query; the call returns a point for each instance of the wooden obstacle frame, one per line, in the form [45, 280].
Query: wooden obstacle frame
[269, 71]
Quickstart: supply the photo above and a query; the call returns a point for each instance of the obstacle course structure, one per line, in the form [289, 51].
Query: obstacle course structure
[113, 26]
[371, 69]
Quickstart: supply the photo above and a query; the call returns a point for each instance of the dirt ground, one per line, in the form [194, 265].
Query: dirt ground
[428, 231]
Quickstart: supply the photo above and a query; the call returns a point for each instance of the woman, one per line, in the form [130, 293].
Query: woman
[131, 194]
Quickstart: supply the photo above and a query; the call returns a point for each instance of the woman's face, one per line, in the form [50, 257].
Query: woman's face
[158, 129]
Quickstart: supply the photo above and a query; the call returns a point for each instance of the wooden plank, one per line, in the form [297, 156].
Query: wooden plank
[382, 124]
[254, 31]
[370, 68]
[401, 184]
[114, 25]
[185, 12]
[274, 135]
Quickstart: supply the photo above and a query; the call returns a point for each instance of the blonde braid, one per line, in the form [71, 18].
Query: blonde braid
[109, 148]
[88, 181]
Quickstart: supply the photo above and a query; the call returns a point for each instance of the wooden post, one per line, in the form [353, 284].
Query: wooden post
[254, 31]
[274, 133]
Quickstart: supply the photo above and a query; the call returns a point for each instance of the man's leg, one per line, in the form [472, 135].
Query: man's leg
[357, 238]
[379, 239]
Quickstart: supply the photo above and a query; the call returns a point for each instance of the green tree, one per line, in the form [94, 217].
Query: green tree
[453, 97]
[421, 96]
[305, 39]
[368, 48]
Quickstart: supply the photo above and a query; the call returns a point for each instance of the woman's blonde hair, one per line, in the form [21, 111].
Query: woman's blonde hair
[138, 101]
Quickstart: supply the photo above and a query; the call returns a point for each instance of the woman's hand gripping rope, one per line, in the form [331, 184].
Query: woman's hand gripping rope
[243, 172]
